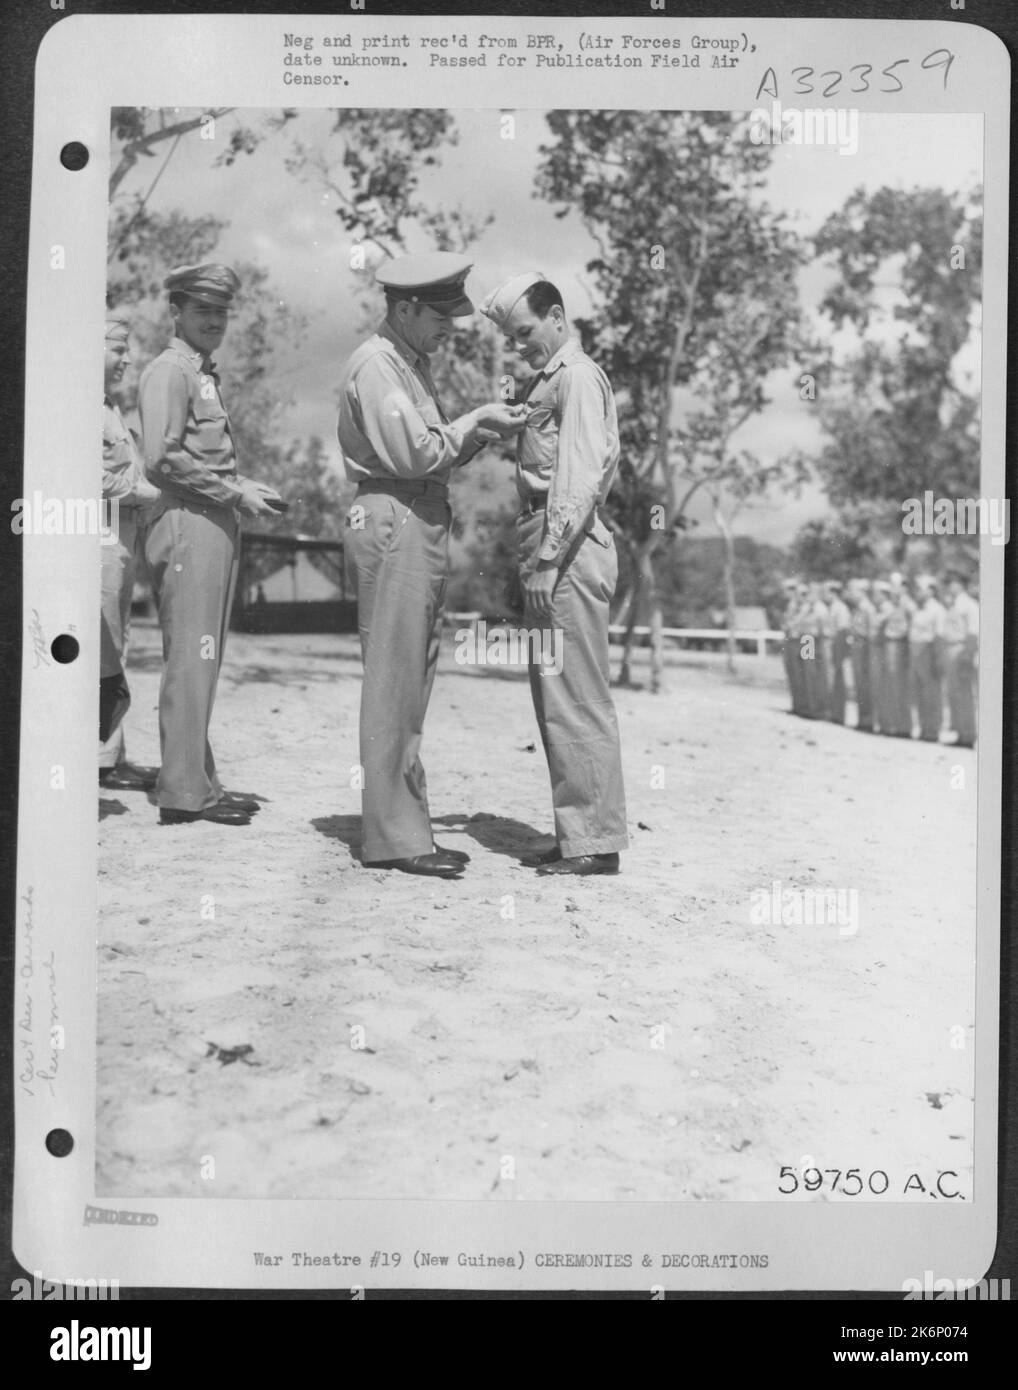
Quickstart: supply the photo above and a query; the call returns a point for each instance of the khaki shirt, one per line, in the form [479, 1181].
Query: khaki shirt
[863, 619]
[390, 422]
[123, 466]
[814, 617]
[838, 619]
[189, 449]
[961, 620]
[570, 446]
[927, 622]
[897, 616]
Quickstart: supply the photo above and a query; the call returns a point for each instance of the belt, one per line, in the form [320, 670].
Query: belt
[536, 502]
[407, 487]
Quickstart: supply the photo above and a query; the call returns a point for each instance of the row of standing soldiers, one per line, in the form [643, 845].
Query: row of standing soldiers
[906, 651]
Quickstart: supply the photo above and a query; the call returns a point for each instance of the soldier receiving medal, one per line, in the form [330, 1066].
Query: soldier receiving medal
[566, 461]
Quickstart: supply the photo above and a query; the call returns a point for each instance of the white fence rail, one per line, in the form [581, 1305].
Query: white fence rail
[718, 636]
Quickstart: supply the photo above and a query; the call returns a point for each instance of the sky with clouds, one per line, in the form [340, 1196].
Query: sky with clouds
[289, 225]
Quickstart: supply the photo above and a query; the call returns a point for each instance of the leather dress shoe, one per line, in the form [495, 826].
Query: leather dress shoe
[548, 856]
[222, 813]
[456, 854]
[125, 777]
[583, 864]
[434, 865]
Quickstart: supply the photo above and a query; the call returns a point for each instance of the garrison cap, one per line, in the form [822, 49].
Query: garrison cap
[435, 278]
[789, 583]
[834, 585]
[208, 284]
[881, 586]
[118, 326]
[927, 582]
[501, 302]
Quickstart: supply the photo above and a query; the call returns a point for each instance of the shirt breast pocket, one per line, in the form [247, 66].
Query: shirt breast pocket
[541, 419]
[206, 404]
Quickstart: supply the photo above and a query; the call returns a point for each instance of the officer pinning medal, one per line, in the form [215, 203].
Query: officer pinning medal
[400, 448]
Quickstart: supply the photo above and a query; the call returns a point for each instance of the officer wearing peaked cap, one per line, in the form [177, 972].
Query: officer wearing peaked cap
[400, 448]
[193, 544]
[566, 461]
[204, 284]
[437, 279]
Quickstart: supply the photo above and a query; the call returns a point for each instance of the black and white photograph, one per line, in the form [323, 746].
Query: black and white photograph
[584, 960]
[630, 465]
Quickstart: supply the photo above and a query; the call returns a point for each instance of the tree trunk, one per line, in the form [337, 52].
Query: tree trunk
[633, 600]
[629, 607]
[652, 607]
[644, 600]
[721, 521]
[657, 655]
[625, 605]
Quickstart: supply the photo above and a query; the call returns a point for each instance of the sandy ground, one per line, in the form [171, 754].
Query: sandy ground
[321, 1029]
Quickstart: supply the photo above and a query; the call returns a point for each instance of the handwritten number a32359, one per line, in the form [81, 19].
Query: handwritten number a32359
[939, 58]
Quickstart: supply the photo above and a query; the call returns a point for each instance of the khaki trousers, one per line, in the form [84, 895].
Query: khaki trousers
[794, 673]
[815, 672]
[397, 559]
[927, 694]
[895, 714]
[117, 572]
[960, 680]
[575, 713]
[193, 553]
[862, 679]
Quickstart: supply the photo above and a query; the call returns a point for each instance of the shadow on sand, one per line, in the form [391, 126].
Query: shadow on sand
[497, 834]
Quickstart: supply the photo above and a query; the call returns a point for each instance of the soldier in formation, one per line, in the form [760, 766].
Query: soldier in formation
[910, 656]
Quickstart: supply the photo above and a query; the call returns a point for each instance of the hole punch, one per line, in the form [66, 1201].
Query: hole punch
[74, 155]
[59, 1142]
[64, 648]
